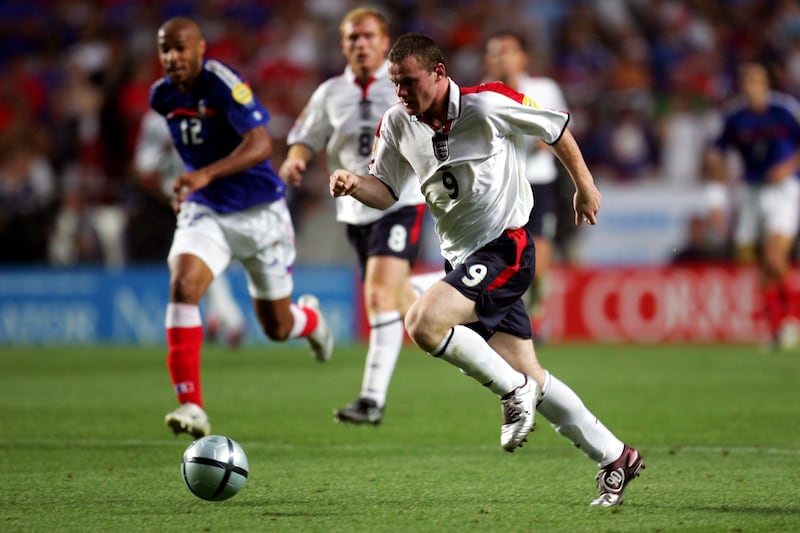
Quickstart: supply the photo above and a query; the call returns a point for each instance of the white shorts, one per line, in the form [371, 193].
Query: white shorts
[768, 209]
[261, 238]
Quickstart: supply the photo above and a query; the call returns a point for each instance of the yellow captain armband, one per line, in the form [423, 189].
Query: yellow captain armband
[242, 93]
[528, 101]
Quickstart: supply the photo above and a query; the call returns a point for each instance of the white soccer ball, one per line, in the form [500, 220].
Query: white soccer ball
[214, 467]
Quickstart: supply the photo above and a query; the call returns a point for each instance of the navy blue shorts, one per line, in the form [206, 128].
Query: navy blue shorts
[397, 235]
[544, 215]
[495, 278]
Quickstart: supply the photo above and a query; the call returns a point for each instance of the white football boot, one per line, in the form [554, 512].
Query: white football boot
[189, 418]
[519, 410]
[321, 339]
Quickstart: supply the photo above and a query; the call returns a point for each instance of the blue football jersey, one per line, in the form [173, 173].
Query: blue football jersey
[207, 124]
[763, 138]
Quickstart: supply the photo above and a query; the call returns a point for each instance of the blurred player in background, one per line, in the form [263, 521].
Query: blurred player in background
[158, 164]
[763, 127]
[231, 205]
[506, 60]
[463, 146]
[341, 118]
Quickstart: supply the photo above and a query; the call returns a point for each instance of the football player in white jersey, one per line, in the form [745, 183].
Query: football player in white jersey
[506, 60]
[341, 118]
[465, 147]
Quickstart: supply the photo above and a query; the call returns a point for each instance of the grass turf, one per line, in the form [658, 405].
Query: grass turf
[83, 446]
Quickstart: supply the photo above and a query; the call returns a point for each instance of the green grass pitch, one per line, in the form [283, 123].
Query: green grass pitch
[83, 446]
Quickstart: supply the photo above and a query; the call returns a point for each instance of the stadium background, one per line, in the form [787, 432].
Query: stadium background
[83, 240]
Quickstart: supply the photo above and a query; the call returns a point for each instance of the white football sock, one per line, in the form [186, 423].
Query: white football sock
[300, 320]
[570, 418]
[385, 341]
[182, 316]
[467, 350]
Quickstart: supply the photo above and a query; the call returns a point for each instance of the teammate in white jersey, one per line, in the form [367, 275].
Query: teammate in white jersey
[506, 60]
[341, 118]
[465, 147]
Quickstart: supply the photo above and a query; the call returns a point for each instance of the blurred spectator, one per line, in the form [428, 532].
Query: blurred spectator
[625, 147]
[682, 128]
[27, 193]
[701, 243]
[78, 70]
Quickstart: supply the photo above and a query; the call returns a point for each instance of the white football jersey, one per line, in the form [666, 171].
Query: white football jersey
[472, 171]
[546, 93]
[341, 117]
[155, 152]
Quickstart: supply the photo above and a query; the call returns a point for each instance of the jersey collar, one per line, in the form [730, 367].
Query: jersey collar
[453, 107]
[382, 72]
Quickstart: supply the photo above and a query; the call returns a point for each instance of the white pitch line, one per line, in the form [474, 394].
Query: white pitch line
[127, 443]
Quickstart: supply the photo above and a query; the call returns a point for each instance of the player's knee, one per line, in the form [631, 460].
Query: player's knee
[381, 298]
[411, 321]
[422, 328]
[185, 289]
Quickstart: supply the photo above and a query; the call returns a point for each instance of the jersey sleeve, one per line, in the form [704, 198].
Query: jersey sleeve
[722, 140]
[313, 127]
[241, 107]
[529, 118]
[514, 112]
[388, 163]
[157, 98]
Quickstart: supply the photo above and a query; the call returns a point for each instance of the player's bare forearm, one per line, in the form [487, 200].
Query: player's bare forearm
[368, 190]
[256, 146]
[292, 169]
[587, 198]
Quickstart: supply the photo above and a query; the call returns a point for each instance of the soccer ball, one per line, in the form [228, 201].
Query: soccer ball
[214, 467]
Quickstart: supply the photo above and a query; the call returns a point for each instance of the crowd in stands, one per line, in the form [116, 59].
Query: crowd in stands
[644, 80]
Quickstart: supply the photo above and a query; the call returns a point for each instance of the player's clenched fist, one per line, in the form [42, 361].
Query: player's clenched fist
[343, 183]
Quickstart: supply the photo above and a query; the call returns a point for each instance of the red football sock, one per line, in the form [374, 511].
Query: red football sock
[183, 362]
[312, 318]
[774, 309]
[787, 294]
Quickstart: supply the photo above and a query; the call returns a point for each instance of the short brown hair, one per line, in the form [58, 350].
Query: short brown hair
[420, 46]
[360, 14]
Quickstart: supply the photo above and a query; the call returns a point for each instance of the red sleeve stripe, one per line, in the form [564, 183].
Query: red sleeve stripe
[495, 87]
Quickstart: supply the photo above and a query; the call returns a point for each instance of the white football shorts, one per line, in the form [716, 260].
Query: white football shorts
[261, 238]
[767, 209]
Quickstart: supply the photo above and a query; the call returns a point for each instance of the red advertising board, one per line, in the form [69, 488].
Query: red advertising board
[650, 304]
[655, 304]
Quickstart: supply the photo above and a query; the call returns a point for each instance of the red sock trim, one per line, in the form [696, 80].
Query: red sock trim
[312, 319]
[183, 362]
[774, 309]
